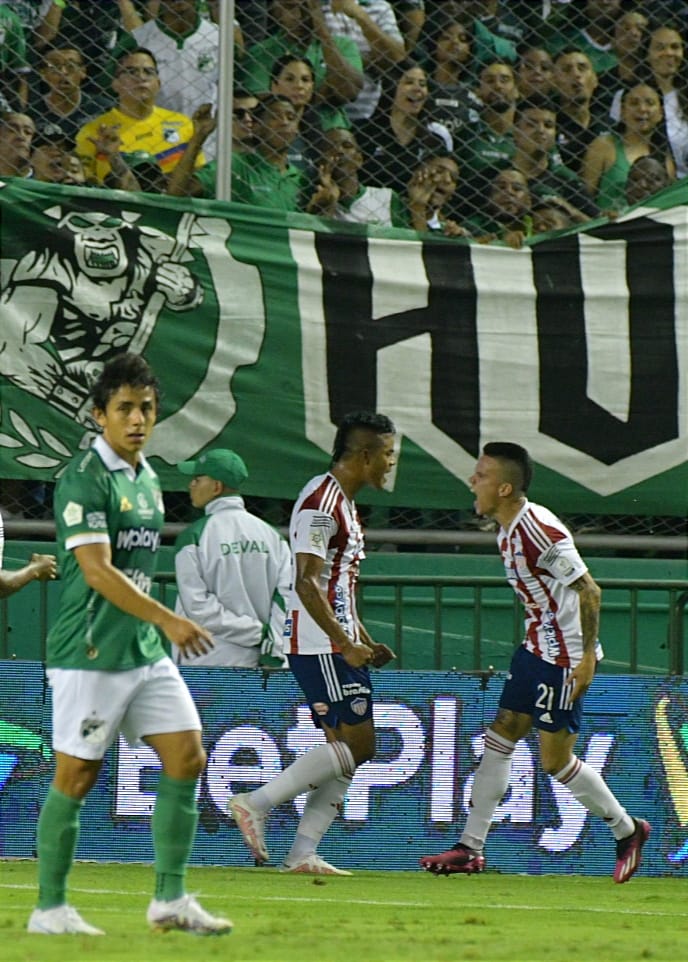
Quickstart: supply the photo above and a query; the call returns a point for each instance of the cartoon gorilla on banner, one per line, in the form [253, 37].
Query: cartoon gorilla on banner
[93, 291]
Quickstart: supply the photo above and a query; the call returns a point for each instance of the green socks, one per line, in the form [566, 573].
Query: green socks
[58, 833]
[175, 817]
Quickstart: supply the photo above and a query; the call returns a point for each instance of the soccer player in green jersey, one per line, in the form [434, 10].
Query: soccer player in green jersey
[106, 664]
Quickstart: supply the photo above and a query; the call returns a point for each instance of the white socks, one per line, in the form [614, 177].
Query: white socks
[592, 791]
[489, 786]
[321, 808]
[307, 774]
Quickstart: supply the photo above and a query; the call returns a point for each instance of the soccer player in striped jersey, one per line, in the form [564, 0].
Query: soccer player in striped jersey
[549, 673]
[329, 649]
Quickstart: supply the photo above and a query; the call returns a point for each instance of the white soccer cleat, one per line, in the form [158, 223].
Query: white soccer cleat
[313, 865]
[251, 824]
[61, 920]
[185, 915]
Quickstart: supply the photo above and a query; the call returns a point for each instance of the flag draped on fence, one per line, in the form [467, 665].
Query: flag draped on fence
[266, 328]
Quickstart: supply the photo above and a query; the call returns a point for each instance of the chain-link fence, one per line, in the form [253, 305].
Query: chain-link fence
[492, 120]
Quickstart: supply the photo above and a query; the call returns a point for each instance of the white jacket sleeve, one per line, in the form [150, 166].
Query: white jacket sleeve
[273, 633]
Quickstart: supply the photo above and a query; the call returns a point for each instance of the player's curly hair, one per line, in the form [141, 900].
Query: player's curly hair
[358, 421]
[123, 369]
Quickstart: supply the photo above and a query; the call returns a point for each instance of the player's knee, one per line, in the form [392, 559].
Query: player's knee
[188, 764]
[364, 749]
[197, 762]
[552, 763]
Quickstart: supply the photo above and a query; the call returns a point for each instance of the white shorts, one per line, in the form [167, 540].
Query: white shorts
[90, 708]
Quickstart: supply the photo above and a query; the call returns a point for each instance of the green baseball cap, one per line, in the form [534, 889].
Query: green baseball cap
[220, 464]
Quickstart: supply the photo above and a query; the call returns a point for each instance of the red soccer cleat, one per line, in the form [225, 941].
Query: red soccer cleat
[459, 860]
[629, 851]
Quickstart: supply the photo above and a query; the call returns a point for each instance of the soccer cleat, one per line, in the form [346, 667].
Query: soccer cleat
[458, 860]
[185, 915]
[251, 824]
[629, 851]
[61, 920]
[313, 865]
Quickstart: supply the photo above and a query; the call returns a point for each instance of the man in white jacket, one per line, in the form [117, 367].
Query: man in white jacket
[233, 570]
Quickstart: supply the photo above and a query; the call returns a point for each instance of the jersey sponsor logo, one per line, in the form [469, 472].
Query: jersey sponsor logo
[355, 688]
[125, 504]
[339, 605]
[243, 547]
[142, 581]
[145, 510]
[73, 514]
[141, 537]
[96, 519]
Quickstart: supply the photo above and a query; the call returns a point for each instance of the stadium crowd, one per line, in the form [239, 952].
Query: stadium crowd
[483, 120]
[477, 119]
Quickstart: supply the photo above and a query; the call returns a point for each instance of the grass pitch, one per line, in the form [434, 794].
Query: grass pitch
[372, 917]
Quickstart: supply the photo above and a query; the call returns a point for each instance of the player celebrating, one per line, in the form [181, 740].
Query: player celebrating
[106, 664]
[329, 648]
[549, 673]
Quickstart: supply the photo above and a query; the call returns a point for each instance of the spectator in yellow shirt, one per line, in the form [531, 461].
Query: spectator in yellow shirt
[140, 124]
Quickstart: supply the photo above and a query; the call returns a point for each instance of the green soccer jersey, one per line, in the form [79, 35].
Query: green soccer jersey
[100, 498]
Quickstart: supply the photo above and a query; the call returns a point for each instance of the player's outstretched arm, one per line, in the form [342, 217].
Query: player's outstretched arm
[42, 567]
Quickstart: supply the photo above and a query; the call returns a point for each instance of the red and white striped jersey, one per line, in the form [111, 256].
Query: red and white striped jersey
[541, 562]
[325, 523]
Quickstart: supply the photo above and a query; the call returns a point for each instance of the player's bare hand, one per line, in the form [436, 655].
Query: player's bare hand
[381, 655]
[44, 566]
[187, 635]
[357, 655]
[582, 676]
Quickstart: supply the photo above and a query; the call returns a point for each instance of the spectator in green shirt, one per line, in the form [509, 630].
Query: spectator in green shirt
[505, 215]
[263, 177]
[535, 132]
[301, 31]
[14, 67]
[489, 143]
[345, 197]
[590, 29]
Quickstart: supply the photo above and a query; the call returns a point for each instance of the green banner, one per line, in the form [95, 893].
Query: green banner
[266, 328]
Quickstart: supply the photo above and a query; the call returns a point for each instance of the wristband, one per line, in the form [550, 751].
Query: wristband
[60, 3]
